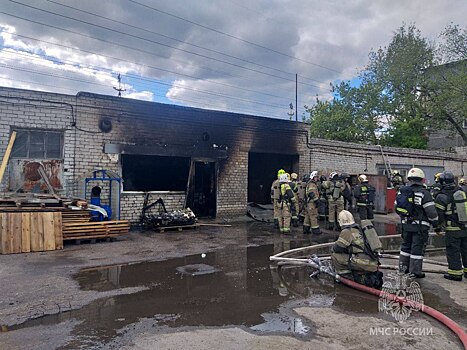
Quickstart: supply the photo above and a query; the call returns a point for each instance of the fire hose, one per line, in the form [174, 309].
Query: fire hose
[315, 263]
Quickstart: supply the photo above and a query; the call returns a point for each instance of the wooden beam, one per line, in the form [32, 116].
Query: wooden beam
[6, 157]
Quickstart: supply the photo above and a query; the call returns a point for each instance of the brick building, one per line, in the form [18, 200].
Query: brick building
[214, 162]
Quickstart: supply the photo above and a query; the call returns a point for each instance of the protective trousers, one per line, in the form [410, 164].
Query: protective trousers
[412, 251]
[311, 217]
[456, 252]
[366, 212]
[335, 207]
[276, 213]
[284, 216]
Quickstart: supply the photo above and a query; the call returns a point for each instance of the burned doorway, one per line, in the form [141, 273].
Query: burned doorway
[262, 171]
[202, 188]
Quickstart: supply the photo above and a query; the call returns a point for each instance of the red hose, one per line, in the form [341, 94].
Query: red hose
[426, 309]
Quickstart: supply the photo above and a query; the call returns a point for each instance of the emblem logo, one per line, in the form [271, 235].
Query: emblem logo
[398, 285]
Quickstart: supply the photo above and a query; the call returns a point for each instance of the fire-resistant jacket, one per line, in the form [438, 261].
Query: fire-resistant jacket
[362, 194]
[425, 213]
[349, 252]
[445, 207]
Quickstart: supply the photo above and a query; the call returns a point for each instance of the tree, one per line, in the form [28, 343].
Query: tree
[387, 101]
[445, 85]
[404, 93]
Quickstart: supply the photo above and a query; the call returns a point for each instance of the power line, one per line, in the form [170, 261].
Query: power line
[136, 37]
[93, 83]
[232, 36]
[152, 67]
[175, 39]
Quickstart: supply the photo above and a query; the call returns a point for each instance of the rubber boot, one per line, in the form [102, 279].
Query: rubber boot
[450, 277]
[306, 230]
[404, 262]
[331, 226]
[415, 268]
[316, 231]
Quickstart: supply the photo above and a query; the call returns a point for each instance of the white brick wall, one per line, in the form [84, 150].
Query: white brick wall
[150, 124]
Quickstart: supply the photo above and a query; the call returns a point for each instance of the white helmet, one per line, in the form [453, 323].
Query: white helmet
[313, 174]
[362, 178]
[416, 173]
[283, 178]
[333, 174]
[345, 218]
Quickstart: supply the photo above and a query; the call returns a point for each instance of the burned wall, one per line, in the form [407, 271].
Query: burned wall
[99, 129]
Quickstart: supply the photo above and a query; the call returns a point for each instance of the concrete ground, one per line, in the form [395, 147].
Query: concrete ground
[36, 285]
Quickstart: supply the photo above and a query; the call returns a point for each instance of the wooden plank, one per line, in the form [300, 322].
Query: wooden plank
[6, 156]
[26, 232]
[16, 234]
[35, 232]
[48, 231]
[58, 230]
[3, 234]
[87, 237]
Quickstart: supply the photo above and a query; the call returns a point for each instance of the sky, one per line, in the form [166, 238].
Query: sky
[240, 56]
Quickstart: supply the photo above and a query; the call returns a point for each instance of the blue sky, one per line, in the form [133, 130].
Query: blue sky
[239, 56]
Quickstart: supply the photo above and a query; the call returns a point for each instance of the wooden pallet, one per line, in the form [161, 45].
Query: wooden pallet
[75, 216]
[94, 229]
[175, 228]
[35, 231]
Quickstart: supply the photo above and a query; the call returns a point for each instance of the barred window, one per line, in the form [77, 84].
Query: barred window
[38, 144]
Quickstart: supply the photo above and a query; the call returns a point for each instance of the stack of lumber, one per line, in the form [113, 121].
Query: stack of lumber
[94, 229]
[75, 216]
[30, 231]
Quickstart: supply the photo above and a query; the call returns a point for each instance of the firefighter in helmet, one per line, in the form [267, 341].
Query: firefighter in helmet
[435, 189]
[285, 204]
[352, 257]
[364, 194]
[294, 186]
[417, 210]
[334, 188]
[450, 205]
[311, 205]
[275, 194]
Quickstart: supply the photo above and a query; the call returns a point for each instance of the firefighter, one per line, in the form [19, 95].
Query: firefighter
[364, 194]
[436, 187]
[417, 210]
[397, 180]
[334, 188]
[463, 184]
[294, 183]
[450, 221]
[285, 204]
[301, 197]
[275, 194]
[311, 206]
[323, 206]
[347, 193]
[353, 257]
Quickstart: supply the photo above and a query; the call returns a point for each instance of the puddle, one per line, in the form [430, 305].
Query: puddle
[235, 286]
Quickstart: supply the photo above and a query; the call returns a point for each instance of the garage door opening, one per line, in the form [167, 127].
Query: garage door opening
[202, 189]
[262, 171]
[154, 173]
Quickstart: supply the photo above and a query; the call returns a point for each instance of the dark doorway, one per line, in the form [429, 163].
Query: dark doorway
[262, 171]
[154, 173]
[202, 189]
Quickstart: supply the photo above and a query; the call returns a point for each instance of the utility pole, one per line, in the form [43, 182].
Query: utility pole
[296, 97]
[119, 89]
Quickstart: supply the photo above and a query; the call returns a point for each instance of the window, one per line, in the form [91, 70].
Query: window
[38, 144]
[464, 124]
[154, 173]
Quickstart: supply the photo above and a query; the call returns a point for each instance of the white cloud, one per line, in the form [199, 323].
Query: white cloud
[333, 34]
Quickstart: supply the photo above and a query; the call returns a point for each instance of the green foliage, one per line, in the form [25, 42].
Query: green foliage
[402, 95]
